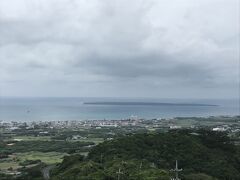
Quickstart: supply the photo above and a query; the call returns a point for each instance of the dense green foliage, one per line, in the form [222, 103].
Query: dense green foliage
[77, 168]
[44, 146]
[202, 155]
[33, 173]
[6, 177]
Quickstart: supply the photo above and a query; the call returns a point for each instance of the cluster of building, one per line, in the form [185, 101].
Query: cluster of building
[13, 125]
[171, 123]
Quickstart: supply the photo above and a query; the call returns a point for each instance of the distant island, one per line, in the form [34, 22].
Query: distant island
[146, 104]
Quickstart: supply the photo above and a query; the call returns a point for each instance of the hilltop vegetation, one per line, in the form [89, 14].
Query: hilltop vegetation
[202, 155]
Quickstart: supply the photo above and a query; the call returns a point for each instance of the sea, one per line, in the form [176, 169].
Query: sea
[27, 109]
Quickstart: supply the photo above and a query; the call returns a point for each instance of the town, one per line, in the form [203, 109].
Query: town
[216, 123]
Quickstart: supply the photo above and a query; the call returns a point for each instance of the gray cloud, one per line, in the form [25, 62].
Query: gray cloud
[153, 46]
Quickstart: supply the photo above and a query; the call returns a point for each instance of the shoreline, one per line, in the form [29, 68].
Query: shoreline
[124, 119]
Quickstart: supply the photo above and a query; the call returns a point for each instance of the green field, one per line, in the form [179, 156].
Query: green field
[14, 160]
[94, 140]
[32, 138]
[84, 153]
[40, 148]
[6, 165]
[48, 157]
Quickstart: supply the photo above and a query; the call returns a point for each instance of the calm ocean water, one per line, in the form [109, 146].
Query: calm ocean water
[46, 109]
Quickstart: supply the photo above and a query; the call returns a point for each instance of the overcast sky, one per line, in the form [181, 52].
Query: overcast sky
[119, 48]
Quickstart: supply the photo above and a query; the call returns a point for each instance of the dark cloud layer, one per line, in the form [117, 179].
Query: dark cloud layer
[97, 48]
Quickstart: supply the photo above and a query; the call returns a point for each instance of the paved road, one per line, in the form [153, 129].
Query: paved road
[46, 170]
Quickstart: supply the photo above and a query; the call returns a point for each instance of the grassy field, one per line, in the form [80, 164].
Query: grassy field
[14, 160]
[185, 123]
[51, 157]
[84, 153]
[6, 165]
[48, 138]
[94, 140]
[48, 158]
[32, 138]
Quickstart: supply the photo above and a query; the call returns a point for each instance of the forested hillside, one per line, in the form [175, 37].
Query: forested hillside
[202, 155]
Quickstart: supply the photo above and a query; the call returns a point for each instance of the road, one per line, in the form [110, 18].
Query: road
[46, 170]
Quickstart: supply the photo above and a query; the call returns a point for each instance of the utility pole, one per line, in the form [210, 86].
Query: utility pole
[119, 172]
[140, 167]
[101, 159]
[176, 170]
[123, 162]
